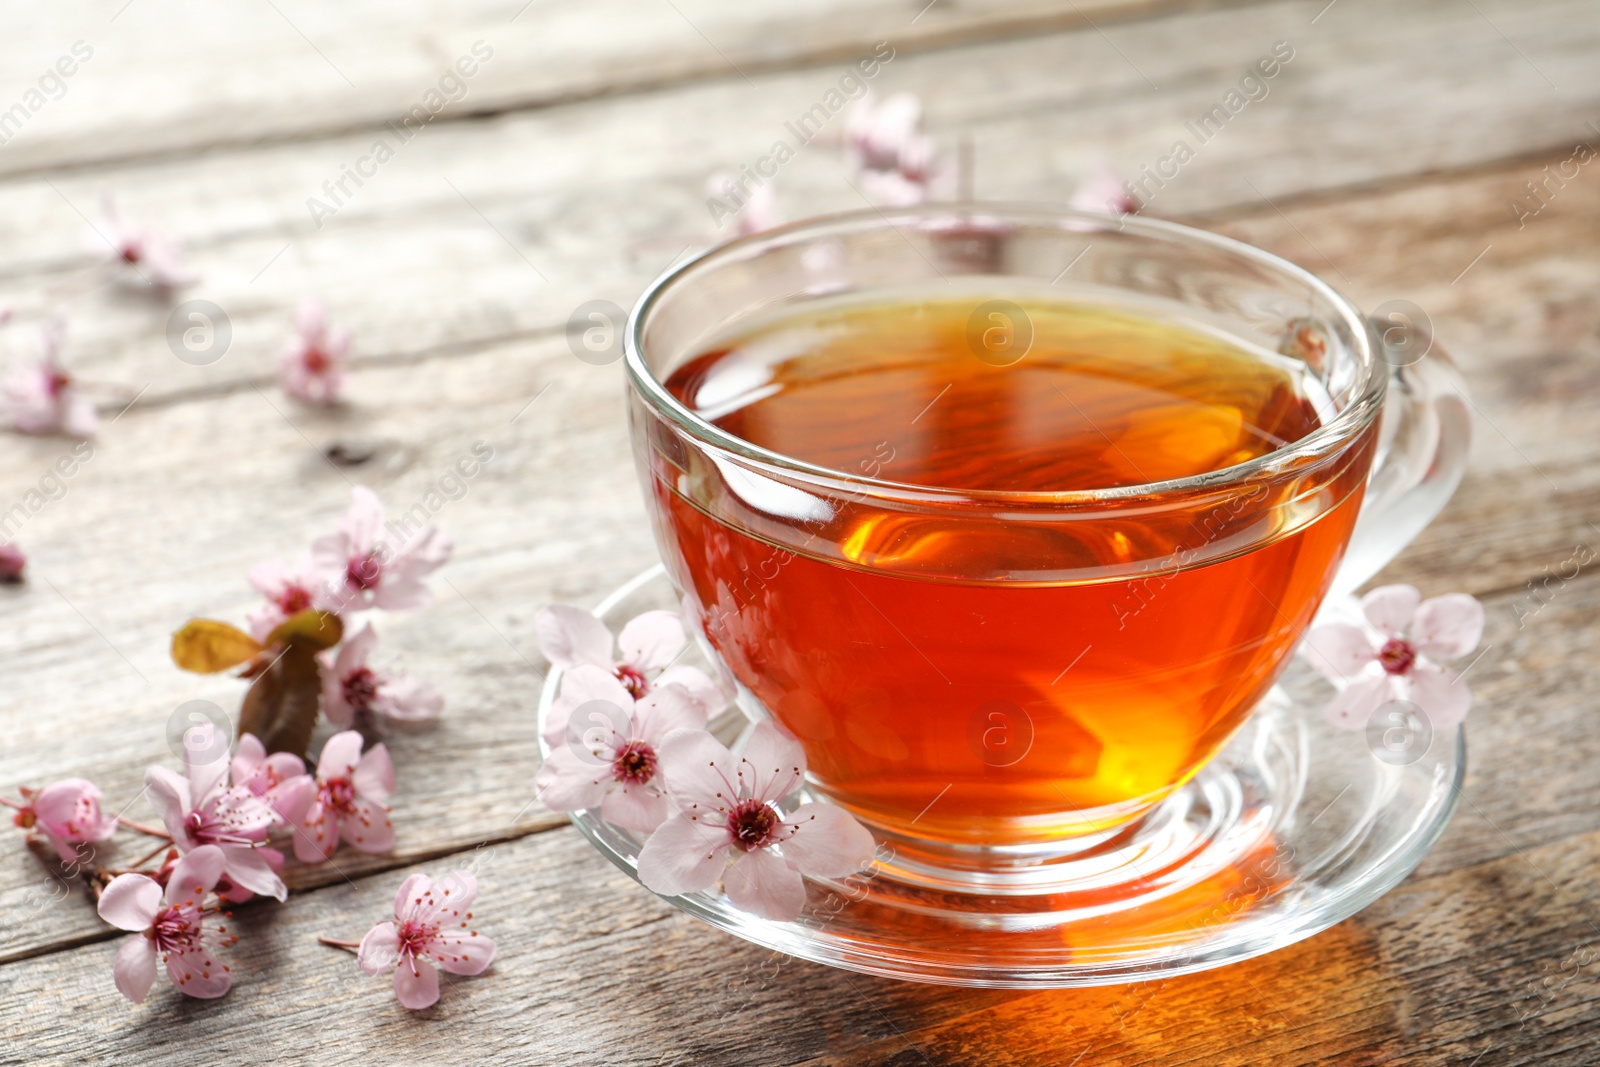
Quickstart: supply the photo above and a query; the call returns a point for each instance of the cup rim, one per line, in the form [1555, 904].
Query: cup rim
[1344, 427]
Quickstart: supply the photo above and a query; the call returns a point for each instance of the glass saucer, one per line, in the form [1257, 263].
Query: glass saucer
[1294, 827]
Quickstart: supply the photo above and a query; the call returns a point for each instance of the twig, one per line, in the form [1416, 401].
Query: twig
[142, 828]
[159, 850]
[337, 943]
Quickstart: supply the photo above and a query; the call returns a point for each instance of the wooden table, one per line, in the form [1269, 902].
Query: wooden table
[1389, 156]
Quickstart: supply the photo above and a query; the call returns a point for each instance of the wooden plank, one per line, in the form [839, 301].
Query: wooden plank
[592, 970]
[161, 80]
[124, 586]
[478, 232]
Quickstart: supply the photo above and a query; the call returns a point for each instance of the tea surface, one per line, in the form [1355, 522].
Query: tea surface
[1100, 399]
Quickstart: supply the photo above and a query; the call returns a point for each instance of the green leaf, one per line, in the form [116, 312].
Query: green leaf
[206, 646]
[281, 705]
[316, 630]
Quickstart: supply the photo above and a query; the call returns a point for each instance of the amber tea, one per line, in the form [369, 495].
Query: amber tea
[957, 672]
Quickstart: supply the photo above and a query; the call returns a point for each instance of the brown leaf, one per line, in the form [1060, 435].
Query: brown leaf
[281, 705]
[317, 630]
[207, 646]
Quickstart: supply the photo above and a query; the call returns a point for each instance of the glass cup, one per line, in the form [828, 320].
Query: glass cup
[1028, 698]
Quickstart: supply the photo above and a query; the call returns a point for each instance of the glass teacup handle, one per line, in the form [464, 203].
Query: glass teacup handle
[1424, 436]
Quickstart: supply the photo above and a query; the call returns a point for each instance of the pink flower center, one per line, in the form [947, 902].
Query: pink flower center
[315, 360]
[207, 829]
[131, 253]
[58, 381]
[361, 689]
[633, 680]
[363, 572]
[416, 937]
[176, 930]
[338, 795]
[753, 825]
[1397, 656]
[635, 763]
[293, 600]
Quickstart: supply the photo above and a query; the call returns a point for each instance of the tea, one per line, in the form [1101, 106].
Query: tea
[965, 672]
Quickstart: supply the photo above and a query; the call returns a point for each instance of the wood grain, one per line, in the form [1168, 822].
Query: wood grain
[575, 169]
[480, 232]
[120, 587]
[289, 70]
[593, 970]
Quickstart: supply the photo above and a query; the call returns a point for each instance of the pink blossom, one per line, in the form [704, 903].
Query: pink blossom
[570, 637]
[279, 778]
[1392, 658]
[352, 790]
[755, 209]
[364, 571]
[42, 398]
[897, 163]
[609, 755]
[313, 362]
[156, 257]
[729, 825]
[353, 692]
[289, 591]
[201, 808]
[12, 563]
[67, 813]
[1105, 192]
[176, 925]
[431, 926]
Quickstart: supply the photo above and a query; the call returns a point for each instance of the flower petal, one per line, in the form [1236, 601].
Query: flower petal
[1449, 626]
[684, 855]
[462, 951]
[1443, 697]
[585, 684]
[292, 797]
[135, 966]
[1390, 608]
[246, 867]
[269, 577]
[339, 756]
[250, 758]
[635, 807]
[571, 782]
[205, 759]
[170, 795]
[368, 828]
[412, 896]
[665, 709]
[363, 522]
[194, 875]
[317, 835]
[373, 777]
[198, 974]
[827, 842]
[1340, 651]
[380, 949]
[652, 640]
[762, 884]
[570, 636]
[130, 902]
[698, 771]
[454, 893]
[416, 984]
[701, 688]
[1355, 705]
[409, 699]
[774, 763]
